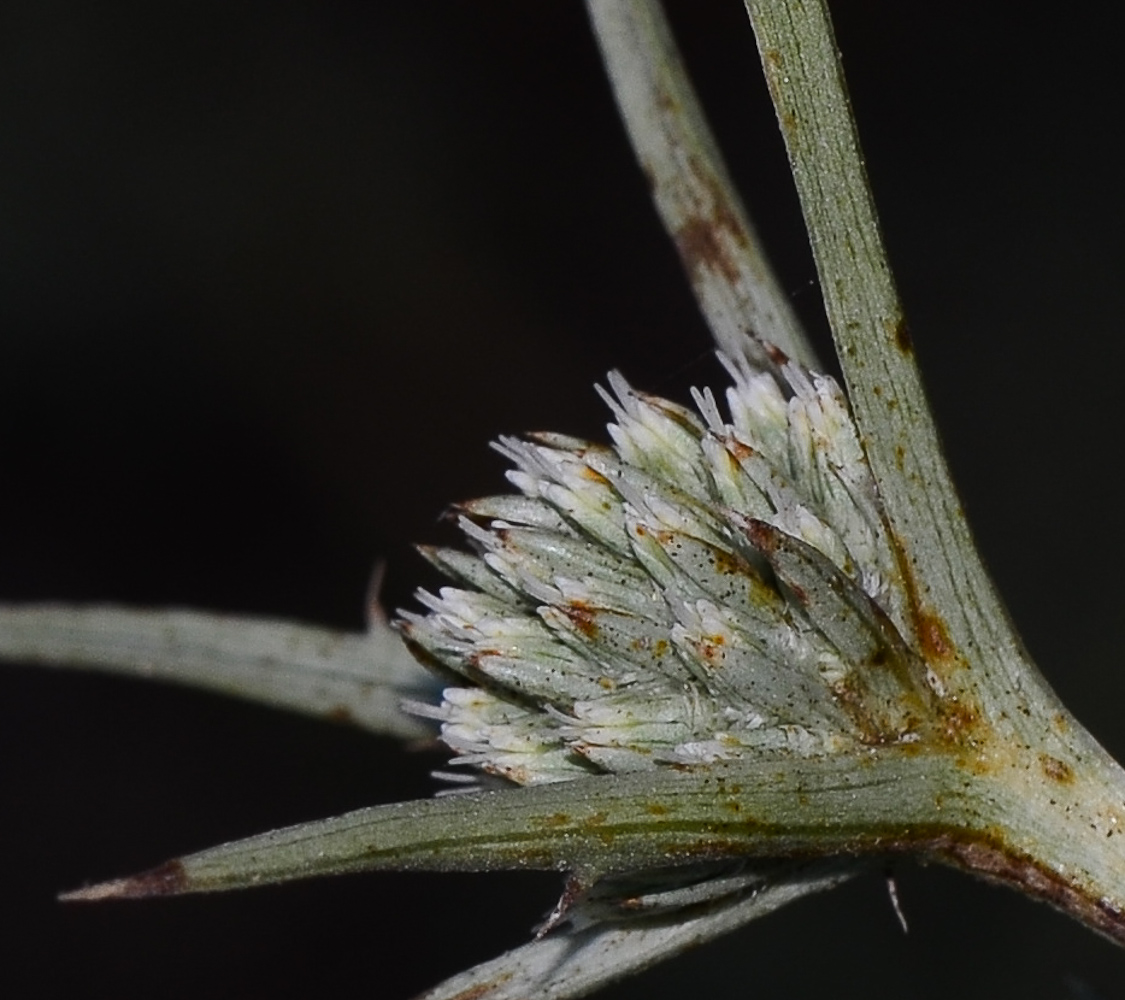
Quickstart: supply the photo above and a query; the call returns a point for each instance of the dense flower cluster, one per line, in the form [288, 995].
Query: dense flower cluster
[704, 589]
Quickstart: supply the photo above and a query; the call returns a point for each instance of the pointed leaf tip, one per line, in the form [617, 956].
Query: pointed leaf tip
[167, 879]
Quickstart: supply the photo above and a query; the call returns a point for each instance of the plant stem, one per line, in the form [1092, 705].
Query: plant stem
[1054, 830]
[720, 250]
[958, 616]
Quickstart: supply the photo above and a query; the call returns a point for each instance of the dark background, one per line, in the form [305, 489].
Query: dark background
[271, 276]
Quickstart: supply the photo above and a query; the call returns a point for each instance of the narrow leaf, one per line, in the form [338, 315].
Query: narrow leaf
[357, 678]
[733, 283]
[768, 808]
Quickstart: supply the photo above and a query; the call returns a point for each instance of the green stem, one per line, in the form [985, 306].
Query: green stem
[959, 618]
[1058, 800]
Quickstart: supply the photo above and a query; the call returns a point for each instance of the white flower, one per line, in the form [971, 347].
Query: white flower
[706, 589]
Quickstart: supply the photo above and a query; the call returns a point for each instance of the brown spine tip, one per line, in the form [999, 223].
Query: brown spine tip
[167, 879]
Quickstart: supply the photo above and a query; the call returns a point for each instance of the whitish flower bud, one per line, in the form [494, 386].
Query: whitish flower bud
[704, 589]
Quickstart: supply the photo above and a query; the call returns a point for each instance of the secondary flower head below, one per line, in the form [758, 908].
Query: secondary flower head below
[707, 588]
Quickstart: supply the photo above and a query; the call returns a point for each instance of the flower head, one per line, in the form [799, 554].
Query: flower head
[710, 587]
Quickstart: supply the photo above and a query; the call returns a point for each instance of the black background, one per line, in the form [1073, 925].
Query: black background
[271, 276]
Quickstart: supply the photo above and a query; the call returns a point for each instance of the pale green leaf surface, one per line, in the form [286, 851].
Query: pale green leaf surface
[360, 678]
[787, 806]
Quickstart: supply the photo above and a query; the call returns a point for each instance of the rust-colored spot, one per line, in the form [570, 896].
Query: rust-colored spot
[1061, 724]
[478, 657]
[483, 989]
[709, 650]
[593, 476]
[701, 248]
[584, 619]
[739, 450]
[341, 714]
[934, 639]
[708, 241]
[727, 563]
[852, 697]
[533, 858]
[552, 821]
[715, 845]
[1055, 769]
[915, 749]
[595, 825]
[900, 457]
[764, 537]
[903, 340]
[665, 100]
[775, 354]
[959, 719]
[656, 809]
